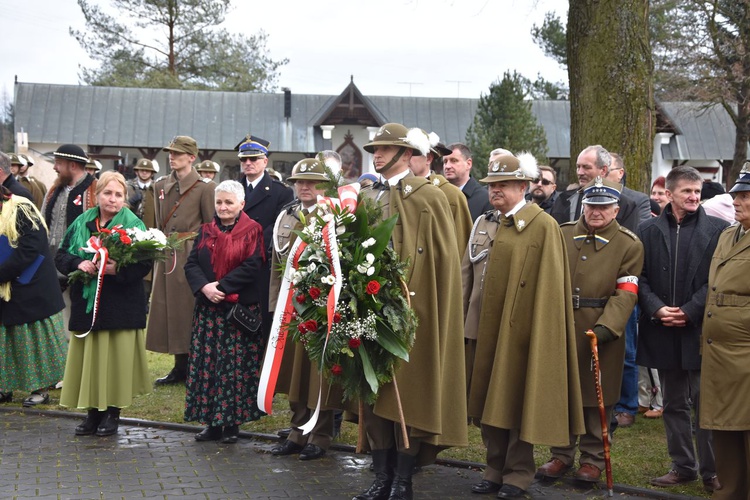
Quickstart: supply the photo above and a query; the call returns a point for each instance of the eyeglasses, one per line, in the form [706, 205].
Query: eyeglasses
[252, 159]
[545, 182]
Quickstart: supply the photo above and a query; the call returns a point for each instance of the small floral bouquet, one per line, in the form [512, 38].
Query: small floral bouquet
[128, 246]
[357, 339]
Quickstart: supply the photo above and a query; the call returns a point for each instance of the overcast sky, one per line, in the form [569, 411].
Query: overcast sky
[431, 48]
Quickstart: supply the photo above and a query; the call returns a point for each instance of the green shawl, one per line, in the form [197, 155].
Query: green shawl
[78, 236]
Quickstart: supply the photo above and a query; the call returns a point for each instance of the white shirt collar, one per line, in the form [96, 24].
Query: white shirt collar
[394, 180]
[515, 209]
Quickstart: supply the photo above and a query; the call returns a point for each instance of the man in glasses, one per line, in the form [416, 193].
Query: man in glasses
[542, 190]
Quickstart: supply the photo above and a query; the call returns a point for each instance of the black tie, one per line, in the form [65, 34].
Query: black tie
[382, 186]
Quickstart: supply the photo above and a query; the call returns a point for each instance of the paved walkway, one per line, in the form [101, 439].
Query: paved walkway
[40, 457]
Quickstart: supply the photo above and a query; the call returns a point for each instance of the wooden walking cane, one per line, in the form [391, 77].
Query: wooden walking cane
[602, 414]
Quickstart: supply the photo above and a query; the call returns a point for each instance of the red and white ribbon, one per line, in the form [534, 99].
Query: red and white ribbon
[94, 245]
[331, 247]
[269, 373]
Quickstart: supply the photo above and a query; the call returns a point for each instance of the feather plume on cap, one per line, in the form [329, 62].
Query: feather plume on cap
[156, 165]
[417, 138]
[528, 165]
[434, 139]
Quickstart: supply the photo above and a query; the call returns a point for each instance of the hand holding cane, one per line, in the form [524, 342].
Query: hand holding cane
[602, 414]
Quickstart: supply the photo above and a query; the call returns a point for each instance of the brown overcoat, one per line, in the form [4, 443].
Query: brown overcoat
[432, 384]
[459, 209]
[171, 311]
[36, 187]
[525, 373]
[596, 263]
[725, 341]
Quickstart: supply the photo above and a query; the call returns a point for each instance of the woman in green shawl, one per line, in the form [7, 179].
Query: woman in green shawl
[106, 363]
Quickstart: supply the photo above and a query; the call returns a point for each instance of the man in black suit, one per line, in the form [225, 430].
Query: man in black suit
[593, 162]
[457, 169]
[264, 195]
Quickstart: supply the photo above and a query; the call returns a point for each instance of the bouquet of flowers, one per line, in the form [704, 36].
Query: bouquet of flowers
[351, 304]
[127, 246]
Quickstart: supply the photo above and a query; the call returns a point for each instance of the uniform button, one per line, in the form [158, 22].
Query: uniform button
[709, 314]
[420, 250]
[664, 268]
[523, 284]
[584, 257]
[587, 241]
[578, 290]
[709, 341]
[713, 288]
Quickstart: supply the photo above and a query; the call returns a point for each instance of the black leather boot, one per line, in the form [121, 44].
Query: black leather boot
[380, 489]
[110, 422]
[401, 487]
[90, 423]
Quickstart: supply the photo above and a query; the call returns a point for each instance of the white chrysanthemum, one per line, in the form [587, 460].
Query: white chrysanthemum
[157, 235]
[328, 280]
[368, 243]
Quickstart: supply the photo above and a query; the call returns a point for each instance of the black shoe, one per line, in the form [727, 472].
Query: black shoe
[510, 491]
[311, 452]
[286, 448]
[6, 397]
[36, 398]
[284, 433]
[89, 425]
[380, 489]
[110, 423]
[485, 487]
[209, 434]
[173, 377]
[230, 434]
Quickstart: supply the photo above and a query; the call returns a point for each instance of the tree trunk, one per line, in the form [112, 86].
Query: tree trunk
[742, 134]
[611, 83]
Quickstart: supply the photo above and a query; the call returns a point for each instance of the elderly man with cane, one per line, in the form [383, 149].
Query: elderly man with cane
[605, 260]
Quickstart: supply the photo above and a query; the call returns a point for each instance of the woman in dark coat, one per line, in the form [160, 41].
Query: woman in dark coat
[224, 364]
[32, 343]
[106, 367]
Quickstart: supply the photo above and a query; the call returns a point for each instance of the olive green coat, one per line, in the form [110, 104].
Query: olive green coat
[459, 209]
[725, 341]
[525, 374]
[432, 384]
[596, 263]
[171, 312]
[474, 268]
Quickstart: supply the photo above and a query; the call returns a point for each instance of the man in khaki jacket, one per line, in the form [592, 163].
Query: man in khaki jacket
[605, 261]
[183, 202]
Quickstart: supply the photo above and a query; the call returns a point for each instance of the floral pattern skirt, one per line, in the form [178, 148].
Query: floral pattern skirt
[32, 355]
[224, 370]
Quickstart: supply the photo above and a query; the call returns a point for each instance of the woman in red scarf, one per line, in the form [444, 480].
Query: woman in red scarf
[224, 363]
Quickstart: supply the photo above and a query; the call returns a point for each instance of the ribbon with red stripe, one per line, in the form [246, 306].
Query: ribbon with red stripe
[94, 245]
[269, 373]
[331, 247]
[628, 283]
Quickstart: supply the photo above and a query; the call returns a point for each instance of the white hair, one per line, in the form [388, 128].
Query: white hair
[232, 187]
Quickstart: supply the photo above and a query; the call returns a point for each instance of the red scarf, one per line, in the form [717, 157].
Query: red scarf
[229, 249]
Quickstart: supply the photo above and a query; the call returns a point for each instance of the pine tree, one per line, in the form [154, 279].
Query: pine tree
[504, 120]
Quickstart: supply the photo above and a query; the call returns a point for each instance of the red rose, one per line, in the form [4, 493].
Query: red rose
[311, 325]
[336, 317]
[301, 298]
[336, 370]
[302, 328]
[354, 343]
[314, 292]
[373, 287]
[125, 239]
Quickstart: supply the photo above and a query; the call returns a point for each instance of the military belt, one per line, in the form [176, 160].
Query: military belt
[579, 302]
[726, 299]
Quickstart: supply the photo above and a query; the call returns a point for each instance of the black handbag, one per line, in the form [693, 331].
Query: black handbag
[247, 320]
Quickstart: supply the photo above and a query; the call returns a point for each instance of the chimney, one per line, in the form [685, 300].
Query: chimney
[287, 102]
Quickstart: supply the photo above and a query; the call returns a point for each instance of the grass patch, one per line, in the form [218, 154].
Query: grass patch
[639, 453]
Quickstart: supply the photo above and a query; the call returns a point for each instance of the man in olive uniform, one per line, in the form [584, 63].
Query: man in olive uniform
[420, 166]
[298, 377]
[208, 169]
[605, 261]
[141, 191]
[19, 167]
[524, 383]
[182, 202]
[431, 386]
